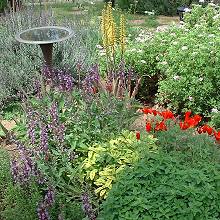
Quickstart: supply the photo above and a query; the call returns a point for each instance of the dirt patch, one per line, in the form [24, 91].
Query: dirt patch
[137, 22]
[166, 20]
[9, 125]
[9, 147]
[140, 123]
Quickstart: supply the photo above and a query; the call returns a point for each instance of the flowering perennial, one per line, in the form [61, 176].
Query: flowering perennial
[188, 122]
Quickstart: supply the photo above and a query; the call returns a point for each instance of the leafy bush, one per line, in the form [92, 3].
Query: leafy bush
[165, 7]
[195, 147]
[162, 187]
[106, 160]
[3, 5]
[182, 62]
[215, 118]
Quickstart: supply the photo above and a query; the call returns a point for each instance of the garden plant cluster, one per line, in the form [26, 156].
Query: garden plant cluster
[85, 146]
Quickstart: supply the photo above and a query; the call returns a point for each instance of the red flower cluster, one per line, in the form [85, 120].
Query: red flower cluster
[189, 122]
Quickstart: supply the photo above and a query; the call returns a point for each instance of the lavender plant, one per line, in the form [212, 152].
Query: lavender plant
[20, 64]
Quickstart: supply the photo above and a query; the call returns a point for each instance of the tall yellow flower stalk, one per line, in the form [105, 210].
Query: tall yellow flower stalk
[108, 29]
[122, 37]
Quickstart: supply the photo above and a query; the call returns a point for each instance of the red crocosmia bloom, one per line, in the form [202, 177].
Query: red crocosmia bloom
[197, 119]
[217, 135]
[190, 122]
[205, 129]
[160, 126]
[138, 135]
[167, 115]
[187, 114]
[149, 111]
[154, 112]
[184, 125]
[148, 127]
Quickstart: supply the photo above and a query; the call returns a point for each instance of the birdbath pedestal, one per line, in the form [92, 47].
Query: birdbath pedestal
[45, 37]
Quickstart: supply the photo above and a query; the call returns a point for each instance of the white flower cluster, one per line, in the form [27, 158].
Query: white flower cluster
[150, 12]
[144, 36]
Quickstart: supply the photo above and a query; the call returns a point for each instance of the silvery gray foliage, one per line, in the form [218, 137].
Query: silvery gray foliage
[21, 64]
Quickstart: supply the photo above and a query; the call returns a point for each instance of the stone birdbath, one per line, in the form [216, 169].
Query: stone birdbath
[45, 37]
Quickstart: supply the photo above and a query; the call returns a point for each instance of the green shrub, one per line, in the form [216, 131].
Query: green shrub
[190, 67]
[3, 4]
[161, 187]
[182, 62]
[215, 119]
[165, 7]
[193, 146]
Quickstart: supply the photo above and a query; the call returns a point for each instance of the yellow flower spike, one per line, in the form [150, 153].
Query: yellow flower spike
[122, 34]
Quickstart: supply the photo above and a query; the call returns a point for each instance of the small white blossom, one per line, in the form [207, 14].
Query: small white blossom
[190, 98]
[212, 4]
[92, 3]
[176, 77]
[99, 46]
[214, 110]
[143, 61]
[102, 53]
[187, 10]
[201, 1]
[200, 79]
[184, 48]
[216, 17]
[139, 51]
[211, 35]
[164, 63]
[133, 50]
[194, 53]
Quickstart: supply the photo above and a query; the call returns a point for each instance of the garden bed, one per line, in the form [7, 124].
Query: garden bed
[128, 126]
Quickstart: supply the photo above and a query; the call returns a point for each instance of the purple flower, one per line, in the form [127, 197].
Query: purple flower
[38, 89]
[54, 114]
[49, 197]
[61, 133]
[91, 80]
[15, 170]
[42, 212]
[44, 139]
[87, 207]
[60, 79]
[32, 123]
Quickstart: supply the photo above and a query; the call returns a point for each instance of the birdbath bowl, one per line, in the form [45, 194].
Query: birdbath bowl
[45, 37]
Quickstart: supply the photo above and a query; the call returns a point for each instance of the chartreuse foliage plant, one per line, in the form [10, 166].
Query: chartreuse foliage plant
[106, 160]
[164, 187]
